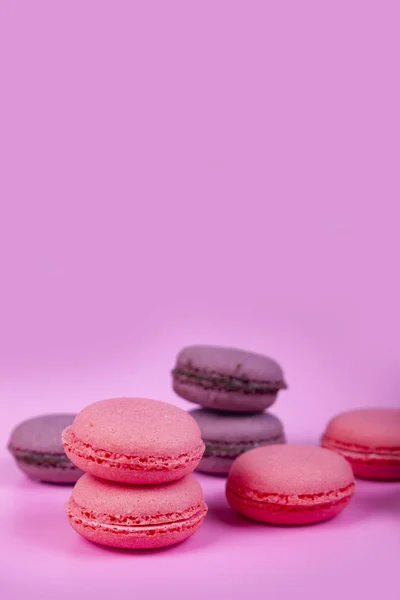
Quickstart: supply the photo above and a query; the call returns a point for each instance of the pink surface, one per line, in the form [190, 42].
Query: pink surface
[134, 440]
[290, 484]
[136, 517]
[176, 173]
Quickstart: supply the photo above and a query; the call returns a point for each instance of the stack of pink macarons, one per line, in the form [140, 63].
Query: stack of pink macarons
[234, 388]
[138, 490]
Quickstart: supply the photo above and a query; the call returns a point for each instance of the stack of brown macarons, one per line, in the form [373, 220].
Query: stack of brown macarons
[138, 490]
[234, 388]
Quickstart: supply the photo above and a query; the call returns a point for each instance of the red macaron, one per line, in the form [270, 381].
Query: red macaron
[134, 440]
[289, 484]
[369, 439]
[136, 516]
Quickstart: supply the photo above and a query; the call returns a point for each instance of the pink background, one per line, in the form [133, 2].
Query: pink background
[176, 172]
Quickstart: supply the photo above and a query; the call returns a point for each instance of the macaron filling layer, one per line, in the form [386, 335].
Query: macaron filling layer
[231, 450]
[87, 452]
[362, 454]
[131, 525]
[274, 508]
[42, 459]
[257, 498]
[360, 448]
[210, 379]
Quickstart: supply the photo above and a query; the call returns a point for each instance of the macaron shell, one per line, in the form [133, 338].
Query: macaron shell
[291, 469]
[230, 362]
[372, 429]
[141, 502]
[148, 427]
[237, 428]
[54, 474]
[41, 434]
[224, 400]
[289, 484]
[137, 441]
[136, 516]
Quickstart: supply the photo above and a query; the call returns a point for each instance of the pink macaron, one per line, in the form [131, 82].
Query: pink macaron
[369, 439]
[289, 484]
[126, 516]
[134, 440]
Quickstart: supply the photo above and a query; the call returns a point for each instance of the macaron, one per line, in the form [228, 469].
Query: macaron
[227, 379]
[289, 484]
[134, 440]
[38, 451]
[370, 440]
[227, 435]
[126, 516]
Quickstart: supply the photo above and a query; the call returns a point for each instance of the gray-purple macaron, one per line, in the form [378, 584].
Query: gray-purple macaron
[226, 436]
[227, 379]
[38, 451]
